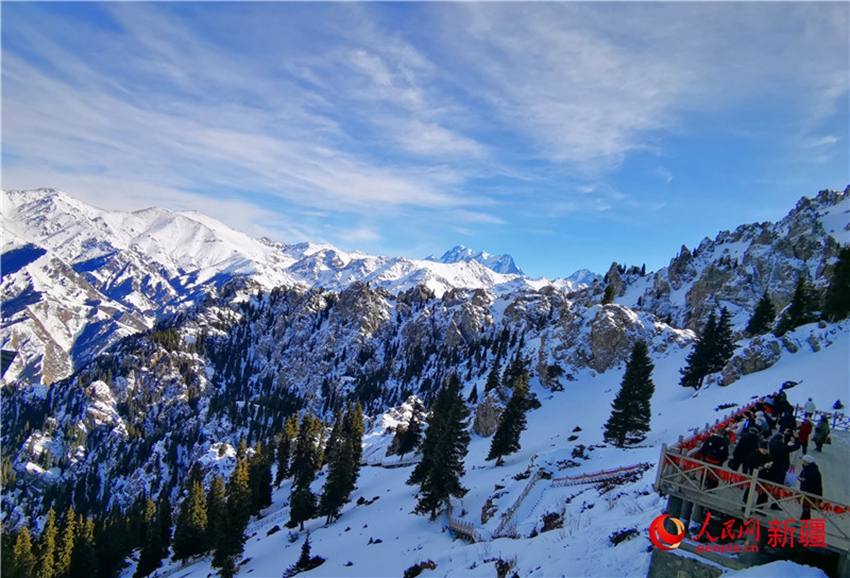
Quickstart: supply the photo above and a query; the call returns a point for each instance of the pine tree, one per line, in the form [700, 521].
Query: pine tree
[66, 547]
[511, 423]
[700, 357]
[230, 542]
[23, 558]
[763, 317]
[800, 311]
[443, 449]
[47, 547]
[335, 440]
[610, 293]
[85, 561]
[345, 468]
[306, 458]
[216, 512]
[150, 557]
[302, 507]
[163, 514]
[723, 347]
[284, 449]
[260, 475]
[355, 428]
[836, 305]
[494, 380]
[189, 539]
[307, 454]
[630, 414]
[473, 395]
[411, 436]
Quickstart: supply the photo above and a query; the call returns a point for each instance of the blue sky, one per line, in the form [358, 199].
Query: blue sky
[569, 135]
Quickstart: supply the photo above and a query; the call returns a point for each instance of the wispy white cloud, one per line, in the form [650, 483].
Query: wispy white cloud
[302, 119]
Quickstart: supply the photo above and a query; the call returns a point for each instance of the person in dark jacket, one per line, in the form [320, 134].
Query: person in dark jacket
[781, 404]
[810, 482]
[787, 422]
[821, 433]
[747, 444]
[715, 451]
[780, 455]
[758, 462]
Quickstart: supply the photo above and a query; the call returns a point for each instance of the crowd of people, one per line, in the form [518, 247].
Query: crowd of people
[764, 440]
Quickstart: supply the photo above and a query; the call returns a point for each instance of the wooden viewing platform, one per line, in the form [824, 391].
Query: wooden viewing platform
[683, 478]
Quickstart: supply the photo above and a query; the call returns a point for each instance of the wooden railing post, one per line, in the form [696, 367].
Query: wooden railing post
[661, 465]
[748, 508]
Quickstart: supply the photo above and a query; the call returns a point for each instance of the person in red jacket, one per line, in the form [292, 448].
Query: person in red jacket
[805, 430]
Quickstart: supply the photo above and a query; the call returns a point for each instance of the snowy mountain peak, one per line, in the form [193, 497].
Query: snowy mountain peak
[503, 264]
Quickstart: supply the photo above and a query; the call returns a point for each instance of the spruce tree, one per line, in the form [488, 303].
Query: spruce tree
[85, 562]
[631, 412]
[836, 305]
[302, 507]
[473, 395]
[260, 475]
[151, 555]
[47, 547]
[344, 470]
[411, 436]
[443, 449]
[306, 458]
[609, 295]
[763, 317]
[700, 358]
[335, 440]
[189, 539]
[511, 423]
[23, 558]
[163, 515]
[355, 426]
[800, 311]
[284, 449]
[216, 512]
[494, 379]
[722, 347]
[230, 542]
[66, 547]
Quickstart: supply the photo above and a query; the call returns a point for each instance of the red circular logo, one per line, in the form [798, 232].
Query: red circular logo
[661, 538]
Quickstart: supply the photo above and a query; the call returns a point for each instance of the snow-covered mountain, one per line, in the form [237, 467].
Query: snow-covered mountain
[498, 263]
[241, 352]
[77, 278]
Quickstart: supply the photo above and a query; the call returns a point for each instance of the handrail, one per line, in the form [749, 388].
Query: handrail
[594, 477]
[686, 476]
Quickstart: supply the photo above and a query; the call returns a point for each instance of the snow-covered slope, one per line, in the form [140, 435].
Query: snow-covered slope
[111, 273]
[383, 537]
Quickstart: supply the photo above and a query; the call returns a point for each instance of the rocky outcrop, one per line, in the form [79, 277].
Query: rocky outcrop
[487, 416]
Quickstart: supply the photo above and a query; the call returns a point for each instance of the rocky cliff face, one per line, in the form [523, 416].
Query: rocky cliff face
[736, 267]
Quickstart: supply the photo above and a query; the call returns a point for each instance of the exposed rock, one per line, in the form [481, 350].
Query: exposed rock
[487, 416]
[761, 353]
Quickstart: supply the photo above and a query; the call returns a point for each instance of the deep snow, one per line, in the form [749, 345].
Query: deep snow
[384, 538]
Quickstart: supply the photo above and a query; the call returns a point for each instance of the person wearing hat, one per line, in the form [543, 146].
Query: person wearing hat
[747, 444]
[809, 408]
[811, 482]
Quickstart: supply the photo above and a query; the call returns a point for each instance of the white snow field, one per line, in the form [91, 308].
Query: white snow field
[384, 538]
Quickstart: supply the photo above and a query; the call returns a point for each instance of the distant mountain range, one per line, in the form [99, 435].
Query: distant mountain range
[77, 278]
[153, 342]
